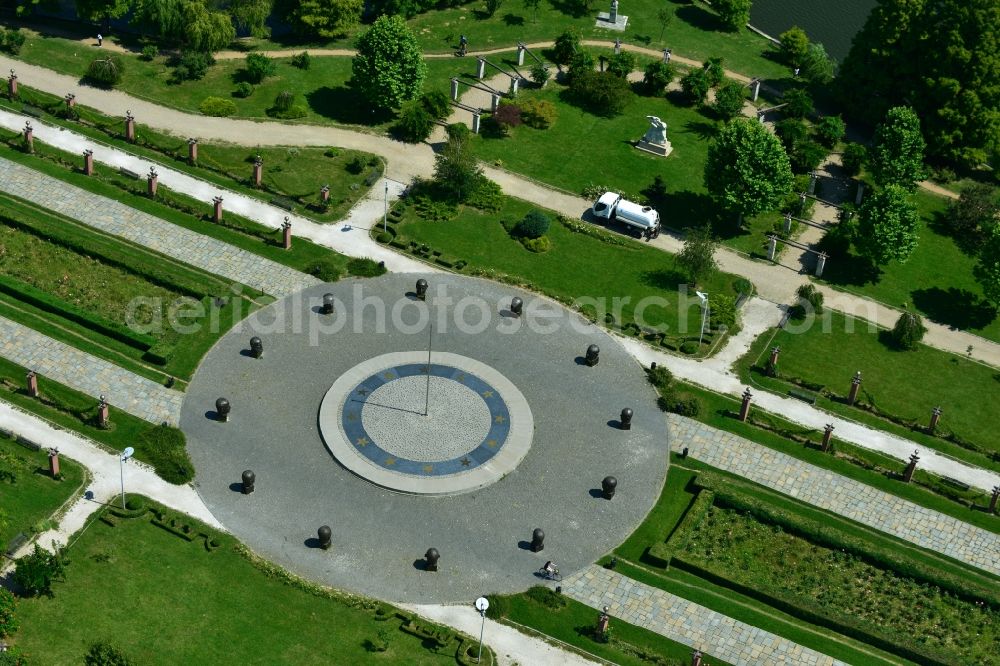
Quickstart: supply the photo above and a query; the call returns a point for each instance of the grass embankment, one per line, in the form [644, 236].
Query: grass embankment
[157, 612]
[30, 495]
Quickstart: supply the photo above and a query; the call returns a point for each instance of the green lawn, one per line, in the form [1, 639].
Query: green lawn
[155, 593]
[675, 498]
[32, 496]
[937, 280]
[578, 266]
[907, 384]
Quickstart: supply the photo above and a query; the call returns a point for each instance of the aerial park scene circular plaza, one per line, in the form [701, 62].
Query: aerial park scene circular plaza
[425, 411]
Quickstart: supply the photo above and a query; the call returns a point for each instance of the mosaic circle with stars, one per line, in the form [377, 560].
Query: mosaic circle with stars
[378, 422]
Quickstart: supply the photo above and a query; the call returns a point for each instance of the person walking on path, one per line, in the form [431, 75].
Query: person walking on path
[100, 39]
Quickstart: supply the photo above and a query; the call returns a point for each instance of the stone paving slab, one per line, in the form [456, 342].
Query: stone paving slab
[116, 218]
[685, 621]
[852, 499]
[88, 374]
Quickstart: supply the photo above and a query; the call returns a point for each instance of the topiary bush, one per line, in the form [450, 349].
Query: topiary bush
[908, 331]
[217, 106]
[538, 245]
[285, 107]
[243, 89]
[191, 65]
[106, 71]
[601, 93]
[258, 67]
[538, 113]
[365, 267]
[657, 76]
[414, 124]
[533, 225]
[325, 270]
[149, 51]
[302, 60]
[539, 73]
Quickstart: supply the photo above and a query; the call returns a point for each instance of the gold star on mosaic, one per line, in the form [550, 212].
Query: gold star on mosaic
[388, 375]
[460, 376]
[352, 416]
[363, 441]
[492, 443]
[487, 394]
[499, 418]
[390, 461]
[466, 462]
[428, 469]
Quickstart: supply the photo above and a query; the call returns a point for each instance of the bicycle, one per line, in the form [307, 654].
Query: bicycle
[549, 575]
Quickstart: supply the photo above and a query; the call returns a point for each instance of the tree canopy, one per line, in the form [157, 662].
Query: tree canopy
[942, 57]
[987, 270]
[697, 257]
[734, 13]
[888, 224]
[747, 171]
[389, 68]
[897, 155]
[329, 19]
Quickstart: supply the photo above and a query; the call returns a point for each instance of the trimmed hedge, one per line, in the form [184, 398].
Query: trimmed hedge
[164, 447]
[217, 106]
[667, 550]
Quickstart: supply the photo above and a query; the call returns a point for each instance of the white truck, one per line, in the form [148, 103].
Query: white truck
[613, 207]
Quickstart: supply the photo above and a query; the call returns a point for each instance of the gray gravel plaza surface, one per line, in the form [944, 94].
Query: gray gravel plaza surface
[379, 536]
[852, 499]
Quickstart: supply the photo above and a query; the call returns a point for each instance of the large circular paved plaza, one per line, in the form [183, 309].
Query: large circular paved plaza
[345, 424]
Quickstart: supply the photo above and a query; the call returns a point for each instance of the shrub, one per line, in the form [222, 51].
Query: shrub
[499, 607]
[539, 245]
[383, 237]
[106, 71]
[192, 65]
[36, 572]
[602, 93]
[12, 40]
[135, 503]
[792, 132]
[622, 64]
[302, 60]
[830, 130]
[149, 51]
[687, 405]
[217, 106]
[798, 103]
[742, 286]
[365, 267]
[356, 165]
[285, 107]
[657, 76]
[8, 618]
[105, 653]
[486, 195]
[660, 377]
[164, 448]
[722, 312]
[325, 270]
[539, 73]
[729, 100]
[258, 67]
[414, 124]
[714, 71]
[809, 294]
[807, 156]
[534, 225]
[566, 46]
[538, 113]
[13, 657]
[546, 597]
[854, 158]
[695, 85]
[908, 331]
[506, 116]
[436, 103]
[837, 241]
[243, 89]
[458, 131]
[794, 46]
[581, 63]
[690, 348]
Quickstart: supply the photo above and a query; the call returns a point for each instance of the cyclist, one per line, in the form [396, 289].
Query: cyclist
[463, 44]
[550, 569]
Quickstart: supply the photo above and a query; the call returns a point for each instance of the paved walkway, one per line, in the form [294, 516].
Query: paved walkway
[830, 491]
[685, 621]
[88, 374]
[118, 219]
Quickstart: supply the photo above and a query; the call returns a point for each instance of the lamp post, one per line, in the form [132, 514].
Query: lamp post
[126, 454]
[704, 311]
[385, 211]
[482, 603]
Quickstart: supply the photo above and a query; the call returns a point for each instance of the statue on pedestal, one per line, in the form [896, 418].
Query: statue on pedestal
[655, 140]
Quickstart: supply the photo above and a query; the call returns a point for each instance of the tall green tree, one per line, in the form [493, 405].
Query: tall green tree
[328, 19]
[565, 47]
[987, 270]
[887, 226]
[729, 99]
[697, 257]
[389, 68]
[188, 23]
[897, 155]
[456, 170]
[665, 16]
[794, 46]
[747, 171]
[36, 571]
[734, 13]
[103, 10]
[251, 15]
[975, 214]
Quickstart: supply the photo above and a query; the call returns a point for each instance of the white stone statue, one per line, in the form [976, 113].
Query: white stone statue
[657, 132]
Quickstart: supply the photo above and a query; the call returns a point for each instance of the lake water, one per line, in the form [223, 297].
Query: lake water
[830, 22]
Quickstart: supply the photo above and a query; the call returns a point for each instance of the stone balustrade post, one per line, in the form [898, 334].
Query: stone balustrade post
[745, 405]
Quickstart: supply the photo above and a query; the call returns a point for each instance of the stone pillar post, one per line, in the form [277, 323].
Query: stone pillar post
[852, 397]
[12, 85]
[861, 194]
[827, 436]
[324, 194]
[755, 87]
[820, 263]
[788, 223]
[613, 15]
[32, 384]
[908, 472]
[192, 150]
[475, 122]
[129, 127]
[696, 658]
[772, 247]
[994, 498]
[480, 68]
[152, 181]
[88, 162]
[812, 182]
[618, 46]
[54, 463]
[102, 413]
[772, 363]
[521, 48]
[70, 100]
[935, 417]
[286, 234]
[494, 102]
[454, 89]
[29, 137]
[217, 210]
[745, 405]
[258, 171]
[514, 82]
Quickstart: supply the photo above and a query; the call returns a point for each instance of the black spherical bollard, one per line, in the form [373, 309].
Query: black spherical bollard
[608, 486]
[626, 422]
[327, 304]
[593, 355]
[516, 306]
[537, 540]
[325, 535]
[222, 409]
[256, 347]
[422, 289]
[248, 480]
[431, 557]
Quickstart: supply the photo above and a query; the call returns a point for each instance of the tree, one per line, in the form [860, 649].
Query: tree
[729, 99]
[854, 158]
[622, 64]
[887, 226]
[539, 73]
[657, 77]
[389, 68]
[8, 617]
[36, 572]
[492, 7]
[200, 29]
[830, 130]
[975, 214]
[566, 46]
[251, 15]
[664, 16]
[798, 103]
[734, 13]
[794, 46]
[897, 155]
[533, 225]
[908, 331]
[103, 10]
[327, 19]
[695, 85]
[714, 71]
[697, 257]
[817, 67]
[106, 653]
[106, 71]
[747, 170]
[455, 168]
[601, 93]
[258, 67]
[987, 270]
[415, 123]
[532, 6]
